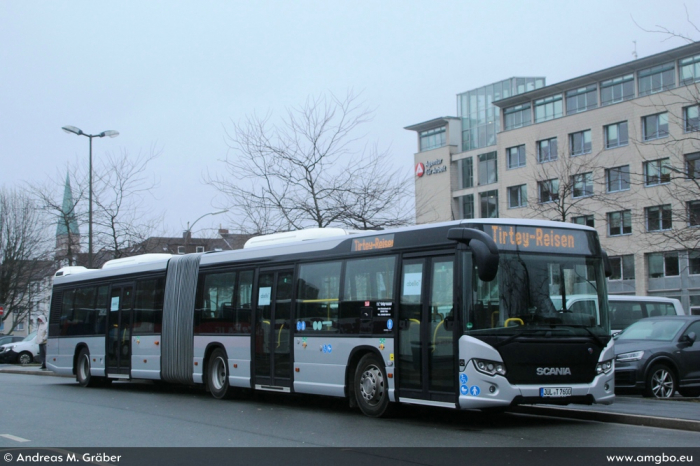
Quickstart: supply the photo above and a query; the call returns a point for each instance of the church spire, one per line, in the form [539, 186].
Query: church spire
[67, 232]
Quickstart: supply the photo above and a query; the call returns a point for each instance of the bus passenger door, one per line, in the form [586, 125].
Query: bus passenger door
[426, 361]
[271, 339]
[119, 330]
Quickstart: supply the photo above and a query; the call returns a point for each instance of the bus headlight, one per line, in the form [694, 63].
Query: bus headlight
[604, 367]
[489, 367]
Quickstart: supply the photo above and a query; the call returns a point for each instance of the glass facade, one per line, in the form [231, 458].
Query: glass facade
[481, 120]
[432, 139]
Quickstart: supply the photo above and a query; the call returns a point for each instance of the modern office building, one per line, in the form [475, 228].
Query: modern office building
[616, 149]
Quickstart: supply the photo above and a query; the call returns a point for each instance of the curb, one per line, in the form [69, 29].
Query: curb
[620, 418]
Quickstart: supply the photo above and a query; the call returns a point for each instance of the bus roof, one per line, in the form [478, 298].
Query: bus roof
[301, 243]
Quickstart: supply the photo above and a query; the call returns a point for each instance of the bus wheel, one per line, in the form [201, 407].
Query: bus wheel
[371, 387]
[217, 374]
[82, 371]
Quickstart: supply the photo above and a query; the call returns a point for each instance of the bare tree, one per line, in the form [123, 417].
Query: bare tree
[669, 181]
[306, 171]
[566, 186]
[63, 212]
[121, 216]
[24, 247]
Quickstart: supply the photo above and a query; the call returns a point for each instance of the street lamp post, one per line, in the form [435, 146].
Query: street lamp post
[188, 232]
[79, 132]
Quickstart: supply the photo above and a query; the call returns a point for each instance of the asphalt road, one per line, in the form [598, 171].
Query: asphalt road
[55, 412]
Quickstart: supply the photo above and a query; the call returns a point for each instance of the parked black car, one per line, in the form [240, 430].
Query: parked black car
[659, 355]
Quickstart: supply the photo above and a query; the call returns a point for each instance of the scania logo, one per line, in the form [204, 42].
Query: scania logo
[553, 371]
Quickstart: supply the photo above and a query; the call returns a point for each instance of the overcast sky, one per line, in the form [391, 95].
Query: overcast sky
[175, 74]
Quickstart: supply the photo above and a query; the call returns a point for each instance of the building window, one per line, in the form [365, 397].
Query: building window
[617, 90]
[518, 116]
[467, 172]
[517, 196]
[516, 156]
[658, 217]
[583, 185]
[620, 223]
[20, 326]
[663, 264]
[433, 138]
[655, 126]
[616, 135]
[489, 204]
[622, 267]
[548, 108]
[580, 143]
[657, 172]
[586, 220]
[618, 178]
[693, 208]
[488, 168]
[656, 79]
[691, 118]
[580, 100]
[694, 262]
[547, 150]
[548, 190]
[199, 249]
[180, 249]
[690, 69]
[467, 206]
[692, 165]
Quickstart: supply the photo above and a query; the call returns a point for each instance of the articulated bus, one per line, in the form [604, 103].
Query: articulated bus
[458, 314]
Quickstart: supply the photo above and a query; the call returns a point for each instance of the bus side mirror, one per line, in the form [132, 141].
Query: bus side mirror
[483, 248]
[606, 264]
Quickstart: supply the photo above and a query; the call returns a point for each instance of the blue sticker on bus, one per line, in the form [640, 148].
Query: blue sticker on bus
[463, 379]
[299, 326]
[464, 390]
[327, 349]
[303, 325]
[474, 391]
[389, 324]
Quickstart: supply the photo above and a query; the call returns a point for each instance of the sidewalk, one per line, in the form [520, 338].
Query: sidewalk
[677, 413]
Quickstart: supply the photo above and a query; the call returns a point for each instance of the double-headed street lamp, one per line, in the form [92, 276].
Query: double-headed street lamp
[79, 132]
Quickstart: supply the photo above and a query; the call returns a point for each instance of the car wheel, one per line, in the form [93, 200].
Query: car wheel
[660, 383]
[217, 374]
[372, 387]
[25, 358]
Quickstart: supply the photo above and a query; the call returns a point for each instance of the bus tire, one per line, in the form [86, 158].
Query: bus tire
[82, 370]
[372, 387]
[217, 374]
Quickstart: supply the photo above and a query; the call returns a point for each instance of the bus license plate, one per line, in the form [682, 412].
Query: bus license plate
[555, 392]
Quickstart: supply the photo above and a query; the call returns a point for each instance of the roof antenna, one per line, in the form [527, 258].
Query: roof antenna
[635, 49]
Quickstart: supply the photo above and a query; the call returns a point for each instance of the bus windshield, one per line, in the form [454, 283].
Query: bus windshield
[539, 293]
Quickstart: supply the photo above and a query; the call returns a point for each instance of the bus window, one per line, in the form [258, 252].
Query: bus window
[148, 308]
[317, 297]
[368, 292]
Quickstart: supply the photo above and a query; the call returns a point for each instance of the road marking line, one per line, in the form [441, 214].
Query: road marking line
[16, 439]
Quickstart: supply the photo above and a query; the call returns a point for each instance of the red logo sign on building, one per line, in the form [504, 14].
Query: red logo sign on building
[420, 169]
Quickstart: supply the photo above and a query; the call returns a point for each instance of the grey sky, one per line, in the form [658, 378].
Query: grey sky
[174, 74]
